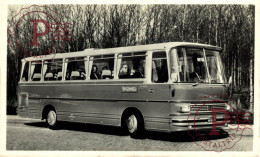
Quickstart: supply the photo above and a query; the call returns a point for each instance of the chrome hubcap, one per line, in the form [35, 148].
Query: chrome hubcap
[132, 123]
[51, 118]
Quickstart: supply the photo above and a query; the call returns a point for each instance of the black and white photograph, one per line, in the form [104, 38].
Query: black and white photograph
[163, 78]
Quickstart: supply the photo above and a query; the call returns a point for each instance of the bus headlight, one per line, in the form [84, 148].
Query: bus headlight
[228, 107]
[185, 108]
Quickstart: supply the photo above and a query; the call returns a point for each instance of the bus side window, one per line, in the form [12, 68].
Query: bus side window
[102, 67]
[132, 66]
[75, 69]
[181, 65]
[36, 68]
[52, 70]
[159, 67]
[25, 72]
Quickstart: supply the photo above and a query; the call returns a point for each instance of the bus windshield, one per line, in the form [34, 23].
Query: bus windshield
[198, 65]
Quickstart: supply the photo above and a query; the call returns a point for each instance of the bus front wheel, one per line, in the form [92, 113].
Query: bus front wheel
[51, 119]
[134, 124]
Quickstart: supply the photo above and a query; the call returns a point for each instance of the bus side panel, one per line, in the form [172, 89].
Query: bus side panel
[157, 110]
[153, 113]
[102, 112]
[194, 93]
[87, 103]
[103, 103]
[34, 109]
[28, 107]
[70, 110]
[156, 116]
[152, 101]
[69, 102]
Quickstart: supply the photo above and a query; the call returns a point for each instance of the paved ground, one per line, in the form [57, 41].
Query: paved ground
[29, 134]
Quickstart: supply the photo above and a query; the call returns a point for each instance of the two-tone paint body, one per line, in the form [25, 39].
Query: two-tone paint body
[105, 101]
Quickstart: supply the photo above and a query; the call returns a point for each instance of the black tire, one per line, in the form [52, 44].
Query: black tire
[134, 124]
[51, 119]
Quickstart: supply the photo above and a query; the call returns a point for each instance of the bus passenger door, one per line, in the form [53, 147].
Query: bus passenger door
[157, 115]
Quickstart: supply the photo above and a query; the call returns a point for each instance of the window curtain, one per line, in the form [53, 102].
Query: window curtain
[65, 68]
[119, 61]
[45, 66]
[22, 73]
[86, 66]
[32, 70]
[90, 66]
[220, 68]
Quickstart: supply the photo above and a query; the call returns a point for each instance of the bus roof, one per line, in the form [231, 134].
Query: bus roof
[139, 48]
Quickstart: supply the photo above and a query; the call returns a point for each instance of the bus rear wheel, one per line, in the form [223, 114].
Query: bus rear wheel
[51, 119]
[134, 125]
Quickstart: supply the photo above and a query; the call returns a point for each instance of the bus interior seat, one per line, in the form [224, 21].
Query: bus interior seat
[132, 72]
[59, 76]
[106, 74]
[75, 75]
[48, 76]
[36, 77]
[112, 73]
[82, 75]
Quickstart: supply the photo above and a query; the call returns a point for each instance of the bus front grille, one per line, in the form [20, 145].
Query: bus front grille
[207, 107]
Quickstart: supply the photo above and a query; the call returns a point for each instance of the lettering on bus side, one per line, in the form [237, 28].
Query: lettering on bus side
[129, 89]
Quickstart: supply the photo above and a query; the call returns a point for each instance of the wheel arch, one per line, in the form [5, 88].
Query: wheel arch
[46, 109]
[131, 110]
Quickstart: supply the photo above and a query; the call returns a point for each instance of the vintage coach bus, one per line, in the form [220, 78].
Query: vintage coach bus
[146, 87]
